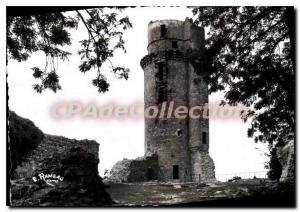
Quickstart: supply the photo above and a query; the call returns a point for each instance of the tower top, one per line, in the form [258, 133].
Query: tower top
[160, 31]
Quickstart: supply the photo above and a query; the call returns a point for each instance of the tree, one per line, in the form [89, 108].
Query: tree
[251, 58]
[49, 33]
[275, 167]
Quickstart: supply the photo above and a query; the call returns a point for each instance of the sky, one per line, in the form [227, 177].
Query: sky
[230, 148]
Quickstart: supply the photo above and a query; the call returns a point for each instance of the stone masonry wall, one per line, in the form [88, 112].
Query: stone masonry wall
[56, 172]
[203, 167]
[136, 170]
[52, 144]
[286, 155]
[176, 63]
[23, 138]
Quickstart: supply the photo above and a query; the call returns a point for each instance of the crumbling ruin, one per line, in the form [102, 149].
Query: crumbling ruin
[286, 155]
[54, 170]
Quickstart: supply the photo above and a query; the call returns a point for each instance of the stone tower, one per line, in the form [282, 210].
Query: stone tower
[173, 72]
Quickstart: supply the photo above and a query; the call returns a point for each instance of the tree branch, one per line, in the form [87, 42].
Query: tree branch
[85, 24]
[91, 34]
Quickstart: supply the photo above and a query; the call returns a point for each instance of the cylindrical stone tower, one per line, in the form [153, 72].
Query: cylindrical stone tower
[173, 80]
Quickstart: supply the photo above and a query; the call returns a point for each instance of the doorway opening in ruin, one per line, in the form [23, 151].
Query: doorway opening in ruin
[150, 174]
[174, 45]
[175, 172]
[204, 138]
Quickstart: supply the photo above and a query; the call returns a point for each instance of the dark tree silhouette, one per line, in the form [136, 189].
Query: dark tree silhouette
[251, 58]
[275, 167]
[49, 33]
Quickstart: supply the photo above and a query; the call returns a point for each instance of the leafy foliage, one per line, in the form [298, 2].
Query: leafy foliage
[49, 80]
[250, 53]
[275, 167]
[49, 33]
[104, 30]
[40, 32]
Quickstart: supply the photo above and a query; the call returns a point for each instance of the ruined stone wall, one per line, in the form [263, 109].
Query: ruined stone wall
[74, 161]
[286, 156]
[33, 163]
[136, 170]
[79, 184]
[23, 138]
[203, 167]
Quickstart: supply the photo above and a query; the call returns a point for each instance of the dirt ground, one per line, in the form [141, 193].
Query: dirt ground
[163, 194]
